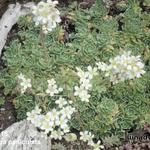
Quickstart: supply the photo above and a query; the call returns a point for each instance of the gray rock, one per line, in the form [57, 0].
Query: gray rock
[10, 17]
[23, 136]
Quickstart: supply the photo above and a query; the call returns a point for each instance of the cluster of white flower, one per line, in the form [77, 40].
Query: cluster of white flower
[53, 88]
[123, 67]
[102, 66]
[32, 116]
[24, 83]
[88, 137]
[55, 121]
[47, 15]
[85, 83]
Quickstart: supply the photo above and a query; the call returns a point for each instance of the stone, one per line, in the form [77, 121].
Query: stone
[24, 136]
[10, 17]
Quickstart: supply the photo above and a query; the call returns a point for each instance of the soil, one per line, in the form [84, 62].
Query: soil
[7, 114]
[7, 111]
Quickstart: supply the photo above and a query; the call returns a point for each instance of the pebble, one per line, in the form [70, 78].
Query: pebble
[2, 109]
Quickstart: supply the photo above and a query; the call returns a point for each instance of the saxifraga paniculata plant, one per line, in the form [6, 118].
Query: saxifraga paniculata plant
[98, 37]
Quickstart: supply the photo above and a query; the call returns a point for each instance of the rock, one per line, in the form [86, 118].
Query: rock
[23, 136]
[10, 17]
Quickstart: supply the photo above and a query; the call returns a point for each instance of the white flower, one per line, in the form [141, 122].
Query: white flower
[61, 102]
[24, 83]
[123, 67]
[86, 136]
[37, 110]
[54, 122]
[85, 83]
[88, 75]
[67, 111]
[62, 123]
[35, 117]
[70, 102]
[53, 88]
[83, 75]
[52, 115]
[97, 146]
[48, 116]
[84, 78]
[53, 3]
[92, 71]
[21, 76]
[31, 116]
[102, 66]
[57, 134]
[38, 120]
[66, 129]
[47, 126]
[46, 14]
[54, 134]
[82, 93]
[51, 82]
[55, 114]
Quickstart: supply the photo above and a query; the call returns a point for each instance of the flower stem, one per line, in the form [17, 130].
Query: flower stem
[42, 38]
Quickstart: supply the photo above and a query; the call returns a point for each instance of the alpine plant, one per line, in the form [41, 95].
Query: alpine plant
[47, 15]
[54, 122]
[123, 67]
[82, 91]
[87, 136]
[24, 83]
